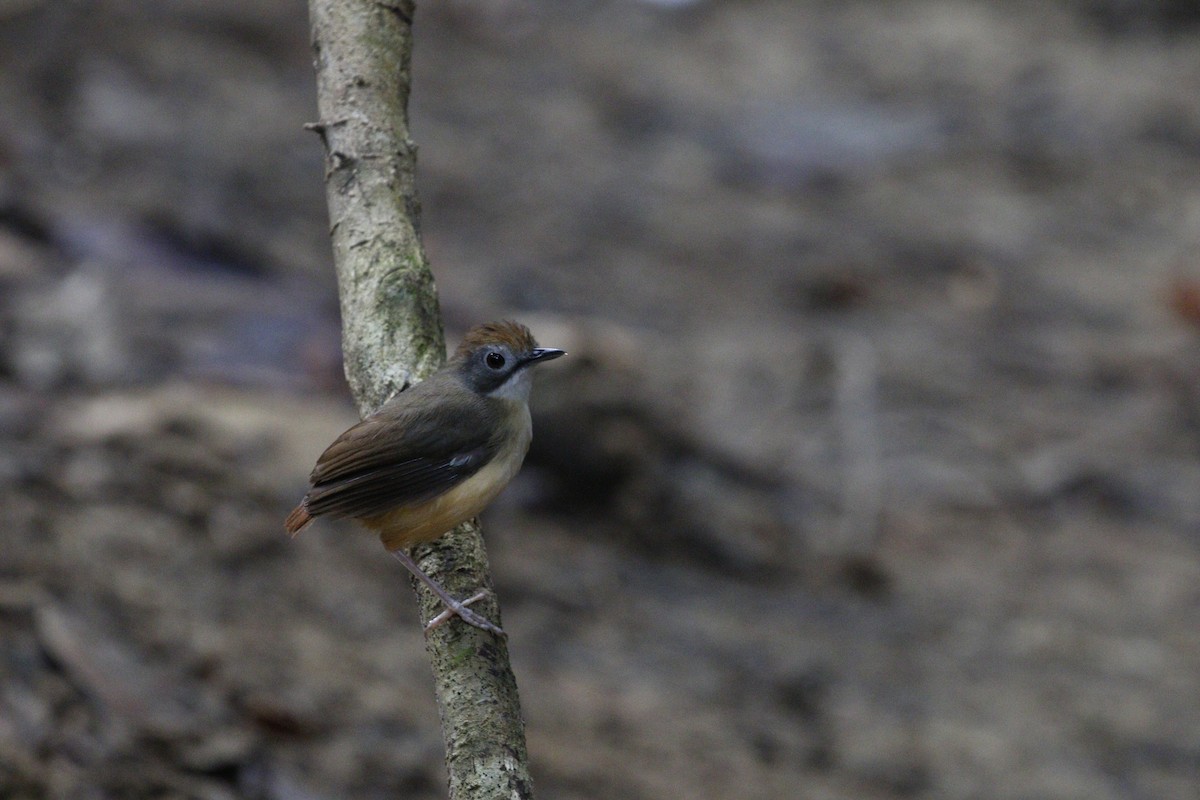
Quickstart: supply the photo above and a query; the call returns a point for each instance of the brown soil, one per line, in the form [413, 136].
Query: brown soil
[872, 474]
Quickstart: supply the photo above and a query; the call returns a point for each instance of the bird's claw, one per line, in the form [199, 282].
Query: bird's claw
[459, 609]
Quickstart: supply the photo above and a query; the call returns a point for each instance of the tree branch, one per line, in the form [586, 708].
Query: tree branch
[392, 336]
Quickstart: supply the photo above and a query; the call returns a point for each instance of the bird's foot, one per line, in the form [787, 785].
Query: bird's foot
[456, 608]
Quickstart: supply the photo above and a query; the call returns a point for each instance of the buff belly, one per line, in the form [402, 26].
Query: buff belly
[408, 525]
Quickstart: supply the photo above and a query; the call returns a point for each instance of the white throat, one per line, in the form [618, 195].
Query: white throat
[516, 387]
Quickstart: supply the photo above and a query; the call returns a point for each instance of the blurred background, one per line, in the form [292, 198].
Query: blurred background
[872, 473]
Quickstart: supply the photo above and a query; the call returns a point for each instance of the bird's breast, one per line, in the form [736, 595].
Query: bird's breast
[424, 522]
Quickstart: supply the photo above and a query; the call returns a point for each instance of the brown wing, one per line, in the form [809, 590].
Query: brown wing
[411, 450]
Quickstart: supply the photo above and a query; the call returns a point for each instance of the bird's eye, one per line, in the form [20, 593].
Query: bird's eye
[494, 360]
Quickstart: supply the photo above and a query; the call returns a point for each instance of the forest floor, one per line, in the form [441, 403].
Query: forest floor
[873, 471]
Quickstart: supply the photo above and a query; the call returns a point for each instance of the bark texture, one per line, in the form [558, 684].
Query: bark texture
[392, 336]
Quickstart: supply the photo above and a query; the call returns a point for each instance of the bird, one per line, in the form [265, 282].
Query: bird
[435, 454]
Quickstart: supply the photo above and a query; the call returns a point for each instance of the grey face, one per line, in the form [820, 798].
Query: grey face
[497, 370]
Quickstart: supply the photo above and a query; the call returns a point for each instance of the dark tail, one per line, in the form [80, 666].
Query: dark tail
[298, 520]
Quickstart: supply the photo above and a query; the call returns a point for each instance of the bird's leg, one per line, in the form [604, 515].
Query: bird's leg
[453, 607]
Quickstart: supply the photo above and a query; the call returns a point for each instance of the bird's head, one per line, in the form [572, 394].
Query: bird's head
[494, 359]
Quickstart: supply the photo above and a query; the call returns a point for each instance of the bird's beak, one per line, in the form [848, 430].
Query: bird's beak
[542, 354]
